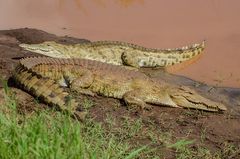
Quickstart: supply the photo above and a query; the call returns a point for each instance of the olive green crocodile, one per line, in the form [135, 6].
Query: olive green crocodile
[43, 76]
[118, 53]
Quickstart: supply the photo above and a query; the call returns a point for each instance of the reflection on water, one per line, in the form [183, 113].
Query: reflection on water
[127, 3]
[151, 23]
[80, 3]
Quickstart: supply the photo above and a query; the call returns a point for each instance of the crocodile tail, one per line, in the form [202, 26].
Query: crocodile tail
[162, 58]
[189, 56]
[188, 53]
[44, 88]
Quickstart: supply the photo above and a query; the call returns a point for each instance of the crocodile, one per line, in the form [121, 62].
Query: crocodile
[118, 53]
[46, 77]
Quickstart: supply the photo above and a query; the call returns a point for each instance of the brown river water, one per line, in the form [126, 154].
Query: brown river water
[150, 23]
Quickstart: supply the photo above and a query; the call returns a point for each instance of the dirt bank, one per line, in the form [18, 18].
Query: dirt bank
[211, 130]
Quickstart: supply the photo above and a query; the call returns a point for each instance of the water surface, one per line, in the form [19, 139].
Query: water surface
[155, 23]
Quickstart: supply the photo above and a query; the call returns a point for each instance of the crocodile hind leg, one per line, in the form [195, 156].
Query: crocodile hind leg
[81, 83]
[82, 90]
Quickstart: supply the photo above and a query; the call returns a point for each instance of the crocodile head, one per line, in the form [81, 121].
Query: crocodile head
[187, 98]
[48, 48]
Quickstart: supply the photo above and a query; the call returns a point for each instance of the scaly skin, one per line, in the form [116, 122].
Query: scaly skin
[118, 53]
[92, 77]
[46, 89]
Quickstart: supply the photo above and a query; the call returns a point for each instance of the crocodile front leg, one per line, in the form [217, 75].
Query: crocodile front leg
[135, 100]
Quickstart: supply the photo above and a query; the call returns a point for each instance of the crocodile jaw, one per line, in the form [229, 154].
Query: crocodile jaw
[46, 48]
[187, 98]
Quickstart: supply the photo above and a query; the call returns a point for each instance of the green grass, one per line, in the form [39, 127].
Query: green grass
[43, 136]
[185, 151]
[51, 134]
[46, 133]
